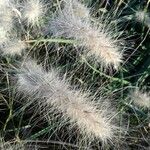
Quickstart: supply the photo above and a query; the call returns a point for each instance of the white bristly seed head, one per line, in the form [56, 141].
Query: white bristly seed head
[6, 18]
[6, 21]
[13, 47]
[74, 105]
[77, 8]
[140, 98]
[4, 3]
[143, 17]
[33, 11]
[97, 41]
[3, 35]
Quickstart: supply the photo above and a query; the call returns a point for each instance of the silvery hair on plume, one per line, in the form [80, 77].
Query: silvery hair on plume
[97, 39]
[94, 121]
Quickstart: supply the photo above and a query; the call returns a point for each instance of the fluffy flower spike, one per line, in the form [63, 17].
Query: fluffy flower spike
[3, 35]
[97, 41]
[4, 3]
[74, 105]
[78, 9]
[143, 17]
[6, 21]
[13, 47]
[141, 99]
[33, 11]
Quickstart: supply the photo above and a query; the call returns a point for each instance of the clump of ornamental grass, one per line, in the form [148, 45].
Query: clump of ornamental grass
[33, 11]
[97, 40]
[95, 121]
[141, 98]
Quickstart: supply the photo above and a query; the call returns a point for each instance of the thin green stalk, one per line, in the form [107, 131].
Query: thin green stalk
[43, 131]
[107, 76]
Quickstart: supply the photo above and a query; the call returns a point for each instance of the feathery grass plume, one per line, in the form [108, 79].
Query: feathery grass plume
[6, 21]
[77, 8]
[143, 17]
[13, 47]
[4, 3]
[97, 40]
[74, 105]
[33, 11]
[3, 35]
[6, 18]
[140, 98]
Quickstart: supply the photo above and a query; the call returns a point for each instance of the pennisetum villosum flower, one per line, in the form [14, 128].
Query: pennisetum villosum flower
[141, 98]
[143, 17]
[3, 35]
[4, 3]
[33, 11]
[9, 44]
[13, 47]
[98, 40]
[5, 20]
[78, 9]
[74, 105]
